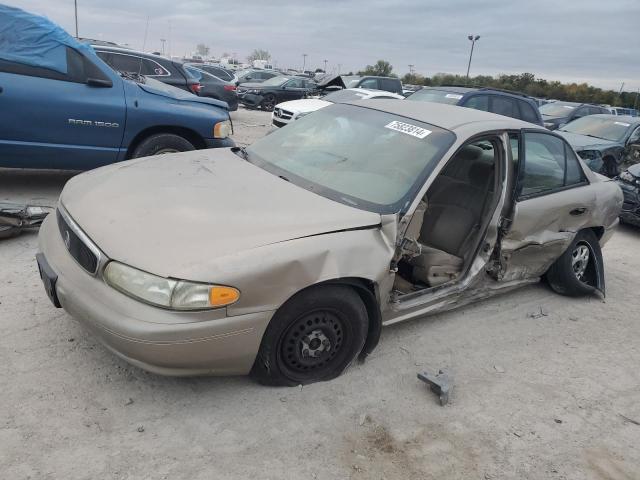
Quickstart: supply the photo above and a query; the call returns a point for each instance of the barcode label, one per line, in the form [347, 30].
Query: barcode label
[409, 129]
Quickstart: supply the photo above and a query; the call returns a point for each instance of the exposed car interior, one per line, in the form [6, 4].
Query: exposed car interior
[446, 228]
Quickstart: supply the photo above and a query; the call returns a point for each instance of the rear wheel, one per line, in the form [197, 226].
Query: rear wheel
[575, 272]
[268, 102]
[162, 143]
[313, 337]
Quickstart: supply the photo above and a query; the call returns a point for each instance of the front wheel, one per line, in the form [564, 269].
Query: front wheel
[268, 102]
[576, 271]
[313, 337]
[162, 143]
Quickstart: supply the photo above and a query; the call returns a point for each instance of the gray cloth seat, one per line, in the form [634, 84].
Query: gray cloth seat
[449, 225]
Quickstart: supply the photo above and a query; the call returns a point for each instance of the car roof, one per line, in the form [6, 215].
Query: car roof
[371, 91]
[617, 118]
[562, 102]
[449, 117]
[129, 51]
[451, 88]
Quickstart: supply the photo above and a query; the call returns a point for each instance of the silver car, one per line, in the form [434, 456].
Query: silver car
[286, 258]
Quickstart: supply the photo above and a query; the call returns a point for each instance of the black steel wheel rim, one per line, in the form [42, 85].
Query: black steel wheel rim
[314, 344]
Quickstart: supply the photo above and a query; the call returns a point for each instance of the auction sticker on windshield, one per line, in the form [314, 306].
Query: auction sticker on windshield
[453, 95]
[407, 128]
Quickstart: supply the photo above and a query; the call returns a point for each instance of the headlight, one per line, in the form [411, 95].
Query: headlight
[254, 91]
[166, 292]
[222, 129]
[627, 177]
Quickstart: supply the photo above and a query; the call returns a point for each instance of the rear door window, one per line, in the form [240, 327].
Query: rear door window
[369, 83]
[478, 102]
[388, 84]
[581, 112]
[126, 63]
[549, 165]
[528, 114]
[504, 106]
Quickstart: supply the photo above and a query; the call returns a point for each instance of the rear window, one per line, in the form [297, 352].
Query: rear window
[436, 96]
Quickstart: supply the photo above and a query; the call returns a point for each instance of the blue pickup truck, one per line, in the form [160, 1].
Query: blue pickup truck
[62, 107]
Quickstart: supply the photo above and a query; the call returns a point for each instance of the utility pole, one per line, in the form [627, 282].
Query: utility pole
[162, 40]
[304, 61]
[411, 65]
[473, 39]
[75, 8]
[146, 30]
[325, 66]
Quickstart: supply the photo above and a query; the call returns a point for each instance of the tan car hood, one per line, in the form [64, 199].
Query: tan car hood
[169, 213]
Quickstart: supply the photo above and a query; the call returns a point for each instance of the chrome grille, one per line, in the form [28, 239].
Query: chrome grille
[283, 114]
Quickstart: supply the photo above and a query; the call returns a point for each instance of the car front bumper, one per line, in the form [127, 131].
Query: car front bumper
[154, 339]
[219, 142]
[630, 212]
[250, 100]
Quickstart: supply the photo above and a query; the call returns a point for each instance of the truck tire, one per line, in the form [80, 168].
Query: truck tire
[162, 143]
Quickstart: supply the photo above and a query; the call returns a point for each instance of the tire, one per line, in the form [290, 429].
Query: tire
[575, 272]
[313, 337]
[610, 167]
[162, 143]
[268, 102]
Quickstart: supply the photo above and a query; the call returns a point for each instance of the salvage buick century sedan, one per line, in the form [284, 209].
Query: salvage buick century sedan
[285, 259]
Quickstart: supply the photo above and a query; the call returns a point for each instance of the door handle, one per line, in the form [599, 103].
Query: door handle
[578, 211]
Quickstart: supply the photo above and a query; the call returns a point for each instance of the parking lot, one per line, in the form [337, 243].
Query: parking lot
[546, 387]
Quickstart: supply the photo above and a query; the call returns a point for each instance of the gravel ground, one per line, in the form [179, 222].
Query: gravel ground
[546, 387]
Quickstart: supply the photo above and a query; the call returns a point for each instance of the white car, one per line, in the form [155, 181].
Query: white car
[286, 112]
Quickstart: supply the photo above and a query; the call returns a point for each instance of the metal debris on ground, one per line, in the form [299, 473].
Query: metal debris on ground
[440, 384]
[538, 314]
[15, 217]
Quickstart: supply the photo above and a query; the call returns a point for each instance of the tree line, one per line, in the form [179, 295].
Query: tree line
[524, 82]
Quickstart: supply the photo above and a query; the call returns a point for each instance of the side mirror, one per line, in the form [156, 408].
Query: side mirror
[99, 82]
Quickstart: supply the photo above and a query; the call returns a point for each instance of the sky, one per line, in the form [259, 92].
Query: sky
[593, 41]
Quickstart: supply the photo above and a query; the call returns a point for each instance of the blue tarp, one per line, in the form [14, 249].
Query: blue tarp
[34, 40]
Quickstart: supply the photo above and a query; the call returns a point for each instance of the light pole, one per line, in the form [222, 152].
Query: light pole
[162, 40]
[473, 39]
[325, 66]
[75, 8]
[304, 61]
[411, 65]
